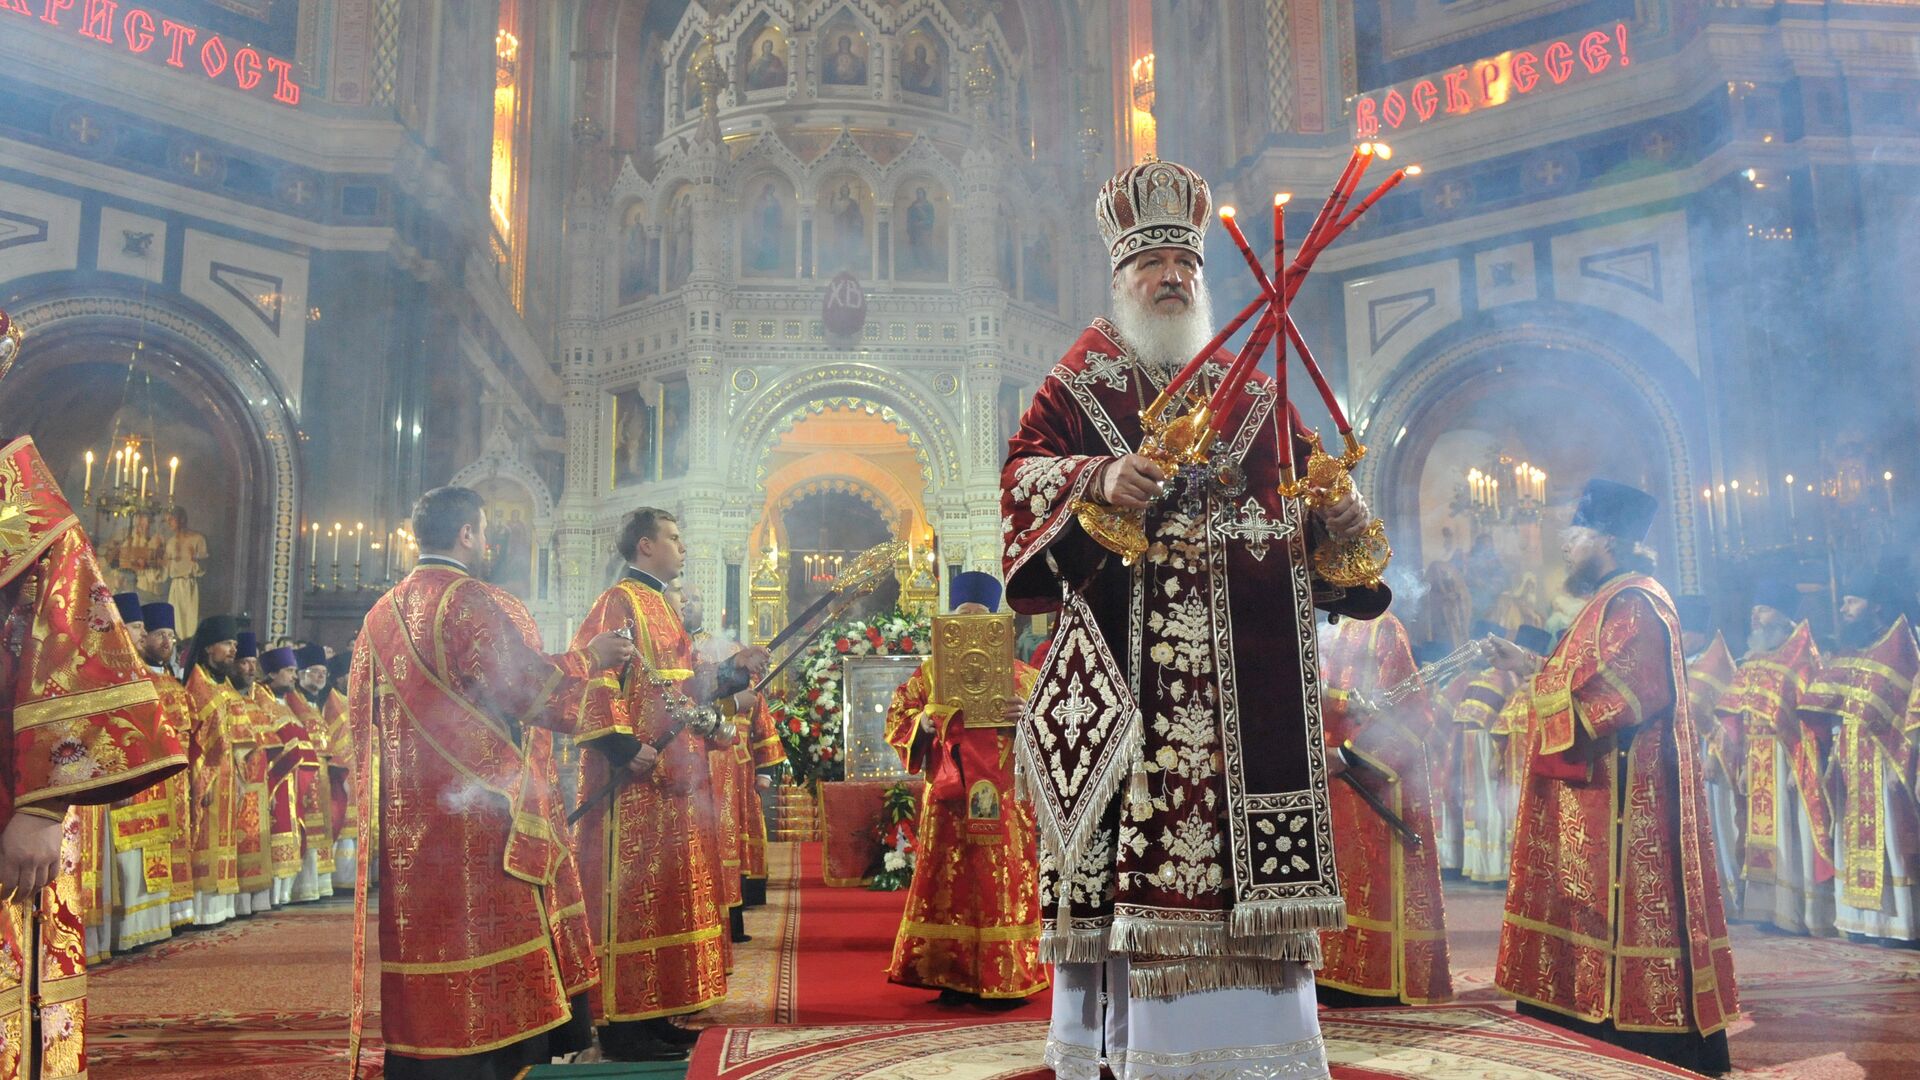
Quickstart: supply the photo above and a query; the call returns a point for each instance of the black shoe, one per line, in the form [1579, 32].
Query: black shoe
[955, 998]
[999, 1004]
[672, 1034]
[737, 922]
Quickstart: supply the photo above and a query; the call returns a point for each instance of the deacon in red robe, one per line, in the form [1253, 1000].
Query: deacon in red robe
[485, 955]
[971, 927]
[1786, 853]
[1395, 945]
[84, 729]
[1175, 758]
[1710, 674]
[1857, 704]
[157, 651]
[219, 719]
[1614, 925]
[649, 855]
[313, 795]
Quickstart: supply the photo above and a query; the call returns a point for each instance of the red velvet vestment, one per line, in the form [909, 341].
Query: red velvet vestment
[1614, 909]
[1185, 687]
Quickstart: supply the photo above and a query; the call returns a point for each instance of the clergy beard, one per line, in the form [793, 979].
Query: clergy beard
[1584, 578]
[1765, 639]
[1861, 632]
[1164, 342]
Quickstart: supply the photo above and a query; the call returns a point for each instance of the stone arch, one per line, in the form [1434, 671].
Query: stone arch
[925, 424]
[259, 398]
[1625, 358]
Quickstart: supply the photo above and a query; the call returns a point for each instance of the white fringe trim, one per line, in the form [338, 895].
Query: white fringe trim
[1262, 917]
[1074, 947]
[1213, 942]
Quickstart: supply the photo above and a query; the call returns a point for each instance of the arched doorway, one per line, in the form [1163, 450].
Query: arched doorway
[1546, 396]
[826, 528]
[841, 476]
[89, 375]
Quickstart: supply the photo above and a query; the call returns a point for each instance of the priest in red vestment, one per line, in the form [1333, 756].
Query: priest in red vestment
[157, 651]
[1176, 761]
[1857, 704]
[1395, 945]
[1786, 853]
[485, 955]
[971, 927]
[219, 717]
[649, 855]
[84, 728]
[1614, 925]
[1710, 674]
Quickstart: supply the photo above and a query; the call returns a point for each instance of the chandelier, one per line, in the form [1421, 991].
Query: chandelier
[130, 466]
[1506, 492]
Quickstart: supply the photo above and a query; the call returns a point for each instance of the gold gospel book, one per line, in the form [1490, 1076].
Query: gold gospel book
[973, 666]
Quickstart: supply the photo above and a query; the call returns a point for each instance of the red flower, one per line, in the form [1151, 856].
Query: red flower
[826, 753]
[813, 694]
[873, 635]
[816, 731]
[843, 645]
[906, 644]
[794, 725]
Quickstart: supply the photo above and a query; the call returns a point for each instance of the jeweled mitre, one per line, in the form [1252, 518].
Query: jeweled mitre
[1153, 204]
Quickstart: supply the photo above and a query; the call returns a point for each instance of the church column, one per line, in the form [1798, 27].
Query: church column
[706, 298]
[576, 561]
[984, 298]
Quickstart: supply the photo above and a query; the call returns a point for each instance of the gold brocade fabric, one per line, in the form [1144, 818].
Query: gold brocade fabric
[482, 939]
[218, 713]
[650, 860]
[972, 917]
[1709, 676]
[1613, 910]
[1760, 713]
[1395, 943]
[763, 749]
[177, 707]
[253, 815]
[85, 728]
[1866, 694]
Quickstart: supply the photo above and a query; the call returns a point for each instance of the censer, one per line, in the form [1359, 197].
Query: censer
[1188, 440]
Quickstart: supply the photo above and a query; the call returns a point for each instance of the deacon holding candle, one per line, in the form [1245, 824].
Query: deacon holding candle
[1168, 959]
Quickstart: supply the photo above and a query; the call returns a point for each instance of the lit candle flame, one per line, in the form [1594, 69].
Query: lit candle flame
[1412, 170]
[1385, 151]
[1227, 211]
[1282, 198]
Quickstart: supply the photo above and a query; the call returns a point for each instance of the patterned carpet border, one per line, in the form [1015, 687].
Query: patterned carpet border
[1439, 1043]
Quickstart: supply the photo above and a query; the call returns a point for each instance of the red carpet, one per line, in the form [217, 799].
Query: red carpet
[846, 938]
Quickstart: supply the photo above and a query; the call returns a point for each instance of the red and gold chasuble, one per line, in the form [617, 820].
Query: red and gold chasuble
[1478, 735]
[1165, 678]
[650, 860]
[1395, 943]
[343, 760]
[1614, 909]
[146, 822]
[177, 707]
[85, 728]
[763, 750]
[972, 918]
[1709, 676]
[1763, 706]
[482, 931]
[1865, 695]
[253, 820]
[313, 795]
[218, 716]
[288, 750]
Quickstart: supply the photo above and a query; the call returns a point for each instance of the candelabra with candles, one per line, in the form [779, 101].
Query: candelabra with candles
[379, 559]
[822, 566]
[1507, 492]
[130, 478]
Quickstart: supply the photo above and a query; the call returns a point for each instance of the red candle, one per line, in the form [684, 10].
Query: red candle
[1319, 378]
[1226, 397]
[1367, 204]
[1350, 175]
[1228, 218]
[1284, 414]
